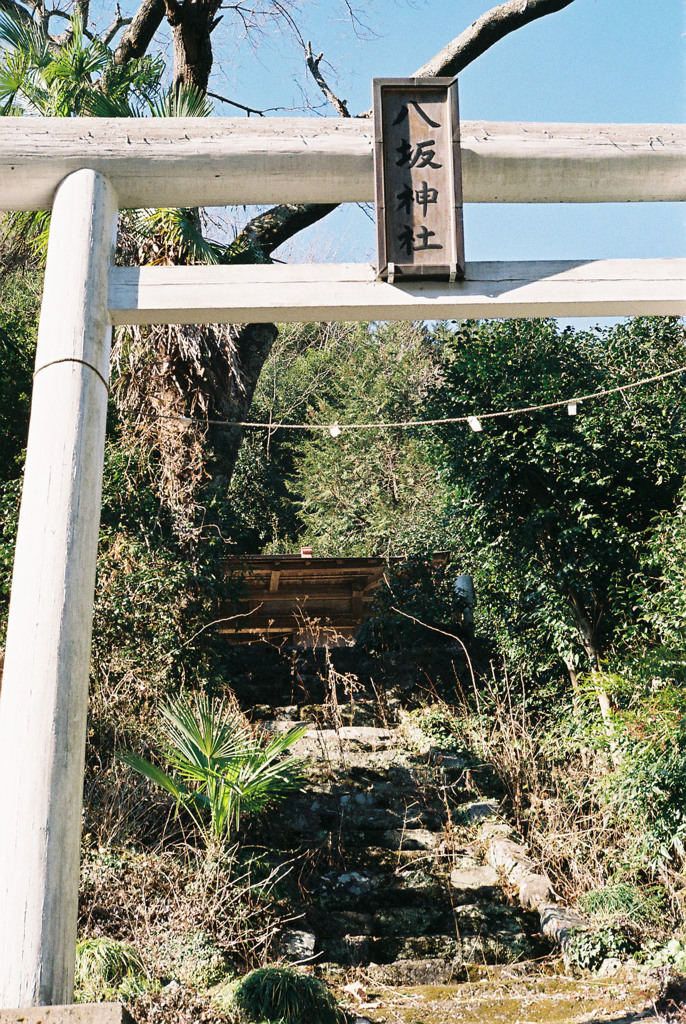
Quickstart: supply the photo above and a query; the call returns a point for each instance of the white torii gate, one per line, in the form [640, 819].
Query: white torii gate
[85, 170]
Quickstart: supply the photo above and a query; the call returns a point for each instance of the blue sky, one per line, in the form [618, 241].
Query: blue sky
[595, 61]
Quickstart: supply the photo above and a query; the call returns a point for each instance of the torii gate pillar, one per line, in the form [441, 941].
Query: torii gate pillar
[43, 706]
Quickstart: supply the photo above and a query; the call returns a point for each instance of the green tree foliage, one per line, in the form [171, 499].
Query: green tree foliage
[663, 603]
[362, 492]
[418, 592]
[155, 589]
[79, 78]
[19, 301]
[556, 510]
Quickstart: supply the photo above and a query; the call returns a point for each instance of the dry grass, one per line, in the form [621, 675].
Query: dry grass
[551, 787]
[146, 898]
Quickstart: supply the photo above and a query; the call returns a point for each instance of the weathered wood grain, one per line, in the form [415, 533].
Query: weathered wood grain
[218, 161]
[317, 292]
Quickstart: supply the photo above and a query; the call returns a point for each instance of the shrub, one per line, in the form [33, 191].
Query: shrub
[439, 725]
[107, 969]
[281, 995]
[672, 954]
[647, 786]
[644, 904]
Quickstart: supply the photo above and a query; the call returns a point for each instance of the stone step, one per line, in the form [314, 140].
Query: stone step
[357, 803]
[377, 860]
[389, 890]
[385, 897]
[412, 919]
[430, 971]
[415, 786]
[358, 713]
[501, 947]
[399, 841]
[419, 914]
[334, 744]
[398, 773]
[373, 898]
[423, 919]
[347, 815]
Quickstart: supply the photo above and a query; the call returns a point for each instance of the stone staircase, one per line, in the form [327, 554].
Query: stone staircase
[390, 877]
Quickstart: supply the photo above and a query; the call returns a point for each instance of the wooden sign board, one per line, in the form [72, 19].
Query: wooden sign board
[418, 180]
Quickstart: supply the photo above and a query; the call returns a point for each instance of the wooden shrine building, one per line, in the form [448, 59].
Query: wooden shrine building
[304, 601]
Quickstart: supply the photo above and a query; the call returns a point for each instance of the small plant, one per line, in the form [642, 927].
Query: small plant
[673, 953]
[439, 724]
[281, 995]
[195, 960]
[624, 900]
[588, 949]
[219, 765]
[107, 969]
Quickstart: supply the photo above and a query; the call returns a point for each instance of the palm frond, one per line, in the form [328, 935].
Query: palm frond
[204, 733]
[182, 101]
[13, 69]
[153, 773]
[177, 236]
[101, 104]
[23, 36]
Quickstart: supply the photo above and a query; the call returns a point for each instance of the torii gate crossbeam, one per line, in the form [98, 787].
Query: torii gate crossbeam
[84, 169]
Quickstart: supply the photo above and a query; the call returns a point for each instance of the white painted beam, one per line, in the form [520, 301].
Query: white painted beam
[349, 291]
[44, 697]
[218, 161]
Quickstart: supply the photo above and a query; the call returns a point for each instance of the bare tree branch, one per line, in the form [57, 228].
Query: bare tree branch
[243, 106]
[138, 36]
[57, 14]
[282, 222]
[490, 28]
[81, 9]
[117, 22]
[39, 13]
[173, 10]
[340, 106]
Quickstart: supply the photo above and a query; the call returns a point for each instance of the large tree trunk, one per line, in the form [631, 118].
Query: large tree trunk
[191, 24]
[253, 344]
[138, 35]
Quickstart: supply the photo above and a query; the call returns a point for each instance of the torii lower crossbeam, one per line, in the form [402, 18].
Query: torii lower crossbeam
[350, 291]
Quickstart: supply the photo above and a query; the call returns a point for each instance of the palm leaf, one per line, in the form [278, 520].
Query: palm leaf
[202, 734]
[23, 36]
[99, 104]
[153, 773]
[182, 101]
